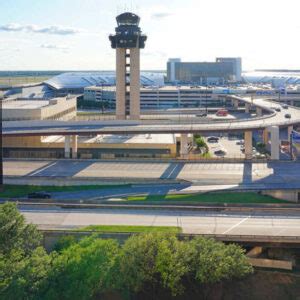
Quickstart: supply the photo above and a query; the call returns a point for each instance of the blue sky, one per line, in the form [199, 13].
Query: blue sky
[73, 34]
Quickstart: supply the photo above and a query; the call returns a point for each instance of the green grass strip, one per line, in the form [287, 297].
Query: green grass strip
[230, 197]
[11, 191]
[130, 229]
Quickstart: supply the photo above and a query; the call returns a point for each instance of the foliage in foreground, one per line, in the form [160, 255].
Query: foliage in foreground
[145, 263]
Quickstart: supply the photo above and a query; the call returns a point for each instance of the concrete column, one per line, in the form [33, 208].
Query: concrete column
[248, 144]
[67, 146]
[247, 108]
[289, 132]
[134, 83]
[275, 142]
[120, 83]
[74, 146]
[236, 104]
[259, 111]
[184, 148]
[265, 136]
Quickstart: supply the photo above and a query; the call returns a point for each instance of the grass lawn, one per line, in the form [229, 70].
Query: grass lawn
[134, 229]
[229, 197]
[22, 80]
[11, 191]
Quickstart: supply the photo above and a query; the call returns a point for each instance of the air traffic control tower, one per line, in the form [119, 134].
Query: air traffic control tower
[128, 40]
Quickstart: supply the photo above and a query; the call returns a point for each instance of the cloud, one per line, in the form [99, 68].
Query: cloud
[60, 30]
[154, 53]
[54, 47]
[160, 15]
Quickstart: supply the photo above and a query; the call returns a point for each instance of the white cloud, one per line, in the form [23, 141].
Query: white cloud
[161, 15]
[54, 47]
[60, 30]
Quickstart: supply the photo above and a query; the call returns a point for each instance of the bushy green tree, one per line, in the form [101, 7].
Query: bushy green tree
[153, 261]
[23, 263]
[15, 233]
[213, 261]
[82, 270]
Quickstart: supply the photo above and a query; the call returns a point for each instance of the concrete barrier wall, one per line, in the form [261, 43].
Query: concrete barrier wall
[288, 195]
[271, 263]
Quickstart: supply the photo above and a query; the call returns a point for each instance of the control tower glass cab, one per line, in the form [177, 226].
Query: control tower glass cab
[128, 40]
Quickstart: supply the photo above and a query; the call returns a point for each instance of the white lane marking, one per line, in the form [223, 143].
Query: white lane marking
[234, 226]
[43, 169]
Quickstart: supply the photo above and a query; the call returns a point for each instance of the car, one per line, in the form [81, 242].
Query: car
[284, 106]
[220, 152]
[202, 115]
[39, 195]
[212, 139]
[240, 142]
[288, 116]
[260, 155]
[277, 109]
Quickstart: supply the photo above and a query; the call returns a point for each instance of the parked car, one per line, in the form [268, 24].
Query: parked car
[202, 115]
[288, 116]
[277, 109]
[240, 142]
[222, 113]
[220, 152]
[260, 155]
[39, 195]
[212, 139]
[284, 106]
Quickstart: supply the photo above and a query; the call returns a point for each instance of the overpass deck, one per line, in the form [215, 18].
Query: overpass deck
[46, 128]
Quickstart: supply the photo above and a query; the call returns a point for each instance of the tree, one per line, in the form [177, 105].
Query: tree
[15, 233]
[23, 264]
[24, 277]
[152, 261]
[213, 262]
[82, 270]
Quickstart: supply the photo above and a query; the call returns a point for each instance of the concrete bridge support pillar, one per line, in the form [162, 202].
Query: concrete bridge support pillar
[248, 144]
[67, 146]
[275, 142]
[265, 136]
[184, 147]
[74, 146]
[247, 108]
[236, 104]
[289, 132]
[259, 111]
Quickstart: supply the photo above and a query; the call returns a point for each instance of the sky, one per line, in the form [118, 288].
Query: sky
[73, 34]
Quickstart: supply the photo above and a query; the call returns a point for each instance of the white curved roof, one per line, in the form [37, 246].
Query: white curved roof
[77, 80]
[280, 78]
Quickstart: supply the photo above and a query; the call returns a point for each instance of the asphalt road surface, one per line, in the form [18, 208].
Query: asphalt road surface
[202, 173]
[191, 222]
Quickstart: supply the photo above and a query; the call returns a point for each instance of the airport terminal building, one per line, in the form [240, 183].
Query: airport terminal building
[222, 71]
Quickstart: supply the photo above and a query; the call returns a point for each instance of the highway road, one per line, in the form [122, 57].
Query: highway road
[191, 222]
[46, 128]
[198, 173]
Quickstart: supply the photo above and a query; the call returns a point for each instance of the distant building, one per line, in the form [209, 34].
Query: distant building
[171, 69]
[159, 97]
[212, 73]
[237, 65]
[54, 109]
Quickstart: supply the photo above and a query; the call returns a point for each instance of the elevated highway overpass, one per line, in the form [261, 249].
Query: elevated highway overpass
[268, 122]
